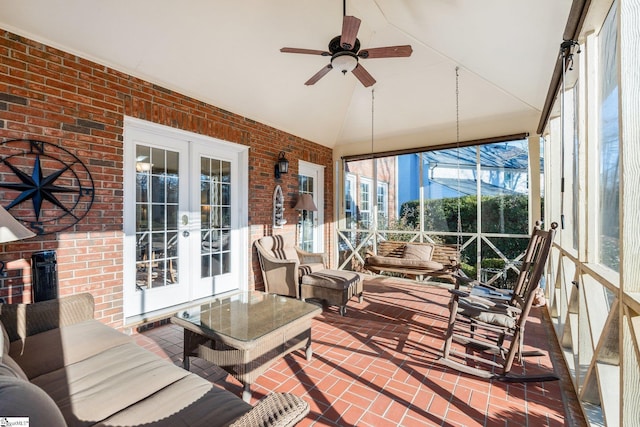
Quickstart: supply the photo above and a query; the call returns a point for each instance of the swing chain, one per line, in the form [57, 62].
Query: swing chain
[459, 225]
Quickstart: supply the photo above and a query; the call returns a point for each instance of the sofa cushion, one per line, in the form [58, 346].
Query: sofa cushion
[64, 346]
[191, 401]
[127, 384]
[19, 398]
[393, 262]
[419, 252]
[104, 384]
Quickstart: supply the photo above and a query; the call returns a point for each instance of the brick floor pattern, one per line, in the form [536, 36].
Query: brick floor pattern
[378, 367]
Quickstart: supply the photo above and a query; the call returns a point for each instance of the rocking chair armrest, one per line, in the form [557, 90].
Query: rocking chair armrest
[465, 280]
[459, 293]
[494, 289]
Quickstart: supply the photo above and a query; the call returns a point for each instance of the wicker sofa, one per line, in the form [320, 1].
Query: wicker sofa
[61, 367]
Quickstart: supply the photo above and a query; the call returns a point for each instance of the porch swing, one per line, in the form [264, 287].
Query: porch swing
[420, 260]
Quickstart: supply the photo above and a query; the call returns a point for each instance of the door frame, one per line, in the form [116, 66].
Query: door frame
[317, 172]
[241, 177]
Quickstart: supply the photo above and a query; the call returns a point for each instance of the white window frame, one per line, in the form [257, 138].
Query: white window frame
[369, 211]
[383, 207]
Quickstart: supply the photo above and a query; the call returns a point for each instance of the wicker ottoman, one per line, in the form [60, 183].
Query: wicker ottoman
[336, 287]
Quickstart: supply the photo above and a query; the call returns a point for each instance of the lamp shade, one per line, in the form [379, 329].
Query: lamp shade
[305, 203]
[11, 229]
[344, 61]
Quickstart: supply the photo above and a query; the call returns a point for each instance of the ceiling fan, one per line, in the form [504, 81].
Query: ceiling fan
[345, 53]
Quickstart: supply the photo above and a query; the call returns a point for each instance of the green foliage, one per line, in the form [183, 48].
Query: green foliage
[506, 214]
[495, 263]
[469, 270]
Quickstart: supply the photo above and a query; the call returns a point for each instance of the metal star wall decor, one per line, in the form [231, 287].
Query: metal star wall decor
[55, 181]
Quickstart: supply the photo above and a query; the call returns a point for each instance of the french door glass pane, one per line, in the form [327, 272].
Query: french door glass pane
[215, 216]
[156, 217]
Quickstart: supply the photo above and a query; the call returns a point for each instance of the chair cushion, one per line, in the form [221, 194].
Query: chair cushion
[332, 279]
[494, 314]
[304, 269]
[279, 247]
[418, 252]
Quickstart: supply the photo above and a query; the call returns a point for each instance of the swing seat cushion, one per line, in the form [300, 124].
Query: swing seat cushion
[410, 264]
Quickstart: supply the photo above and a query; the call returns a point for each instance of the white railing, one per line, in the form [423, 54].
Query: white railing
[598, 328]
[353, 244]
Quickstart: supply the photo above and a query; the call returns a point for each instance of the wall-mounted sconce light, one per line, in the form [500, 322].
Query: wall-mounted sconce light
[282, 166]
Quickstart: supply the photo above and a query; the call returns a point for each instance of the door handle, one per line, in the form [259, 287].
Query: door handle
[185, 233]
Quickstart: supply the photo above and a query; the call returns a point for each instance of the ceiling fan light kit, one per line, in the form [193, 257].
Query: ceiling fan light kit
[344, 62]
[345, 53]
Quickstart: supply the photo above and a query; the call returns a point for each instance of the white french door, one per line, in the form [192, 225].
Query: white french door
[184, 217]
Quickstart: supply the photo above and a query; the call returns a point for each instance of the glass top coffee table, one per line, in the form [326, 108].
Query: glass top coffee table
[244, 333]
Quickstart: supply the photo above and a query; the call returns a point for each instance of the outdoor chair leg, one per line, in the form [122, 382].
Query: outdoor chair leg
[453, 307]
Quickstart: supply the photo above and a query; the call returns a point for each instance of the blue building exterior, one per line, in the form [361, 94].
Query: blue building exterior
[453, 172]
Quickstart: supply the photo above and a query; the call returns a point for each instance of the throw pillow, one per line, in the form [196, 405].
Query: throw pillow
[4, 341]
[420, 252]
[19, 398]
[11, 368]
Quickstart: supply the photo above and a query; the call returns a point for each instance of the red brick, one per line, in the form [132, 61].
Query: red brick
[60, 88]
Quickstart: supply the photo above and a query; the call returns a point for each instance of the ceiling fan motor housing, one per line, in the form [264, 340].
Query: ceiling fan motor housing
[335, 47]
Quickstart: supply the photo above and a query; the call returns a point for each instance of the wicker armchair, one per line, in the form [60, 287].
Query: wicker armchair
[283, 264]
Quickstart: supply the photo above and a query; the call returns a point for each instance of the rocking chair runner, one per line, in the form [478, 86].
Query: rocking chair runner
[496, 326]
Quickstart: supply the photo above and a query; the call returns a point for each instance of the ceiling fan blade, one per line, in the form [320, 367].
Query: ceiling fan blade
[306, 51]
[386, 52]
[364, 76]
[317, 76]
[350, 26]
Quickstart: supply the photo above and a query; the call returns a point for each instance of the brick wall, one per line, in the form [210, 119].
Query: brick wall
[56, 97]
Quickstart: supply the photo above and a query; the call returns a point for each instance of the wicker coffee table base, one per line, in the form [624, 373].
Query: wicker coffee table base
[246, 361]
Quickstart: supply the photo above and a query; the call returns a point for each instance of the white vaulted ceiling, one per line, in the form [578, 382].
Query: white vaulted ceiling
[227, 53]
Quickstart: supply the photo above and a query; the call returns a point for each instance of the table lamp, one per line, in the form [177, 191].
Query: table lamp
[11, 230]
